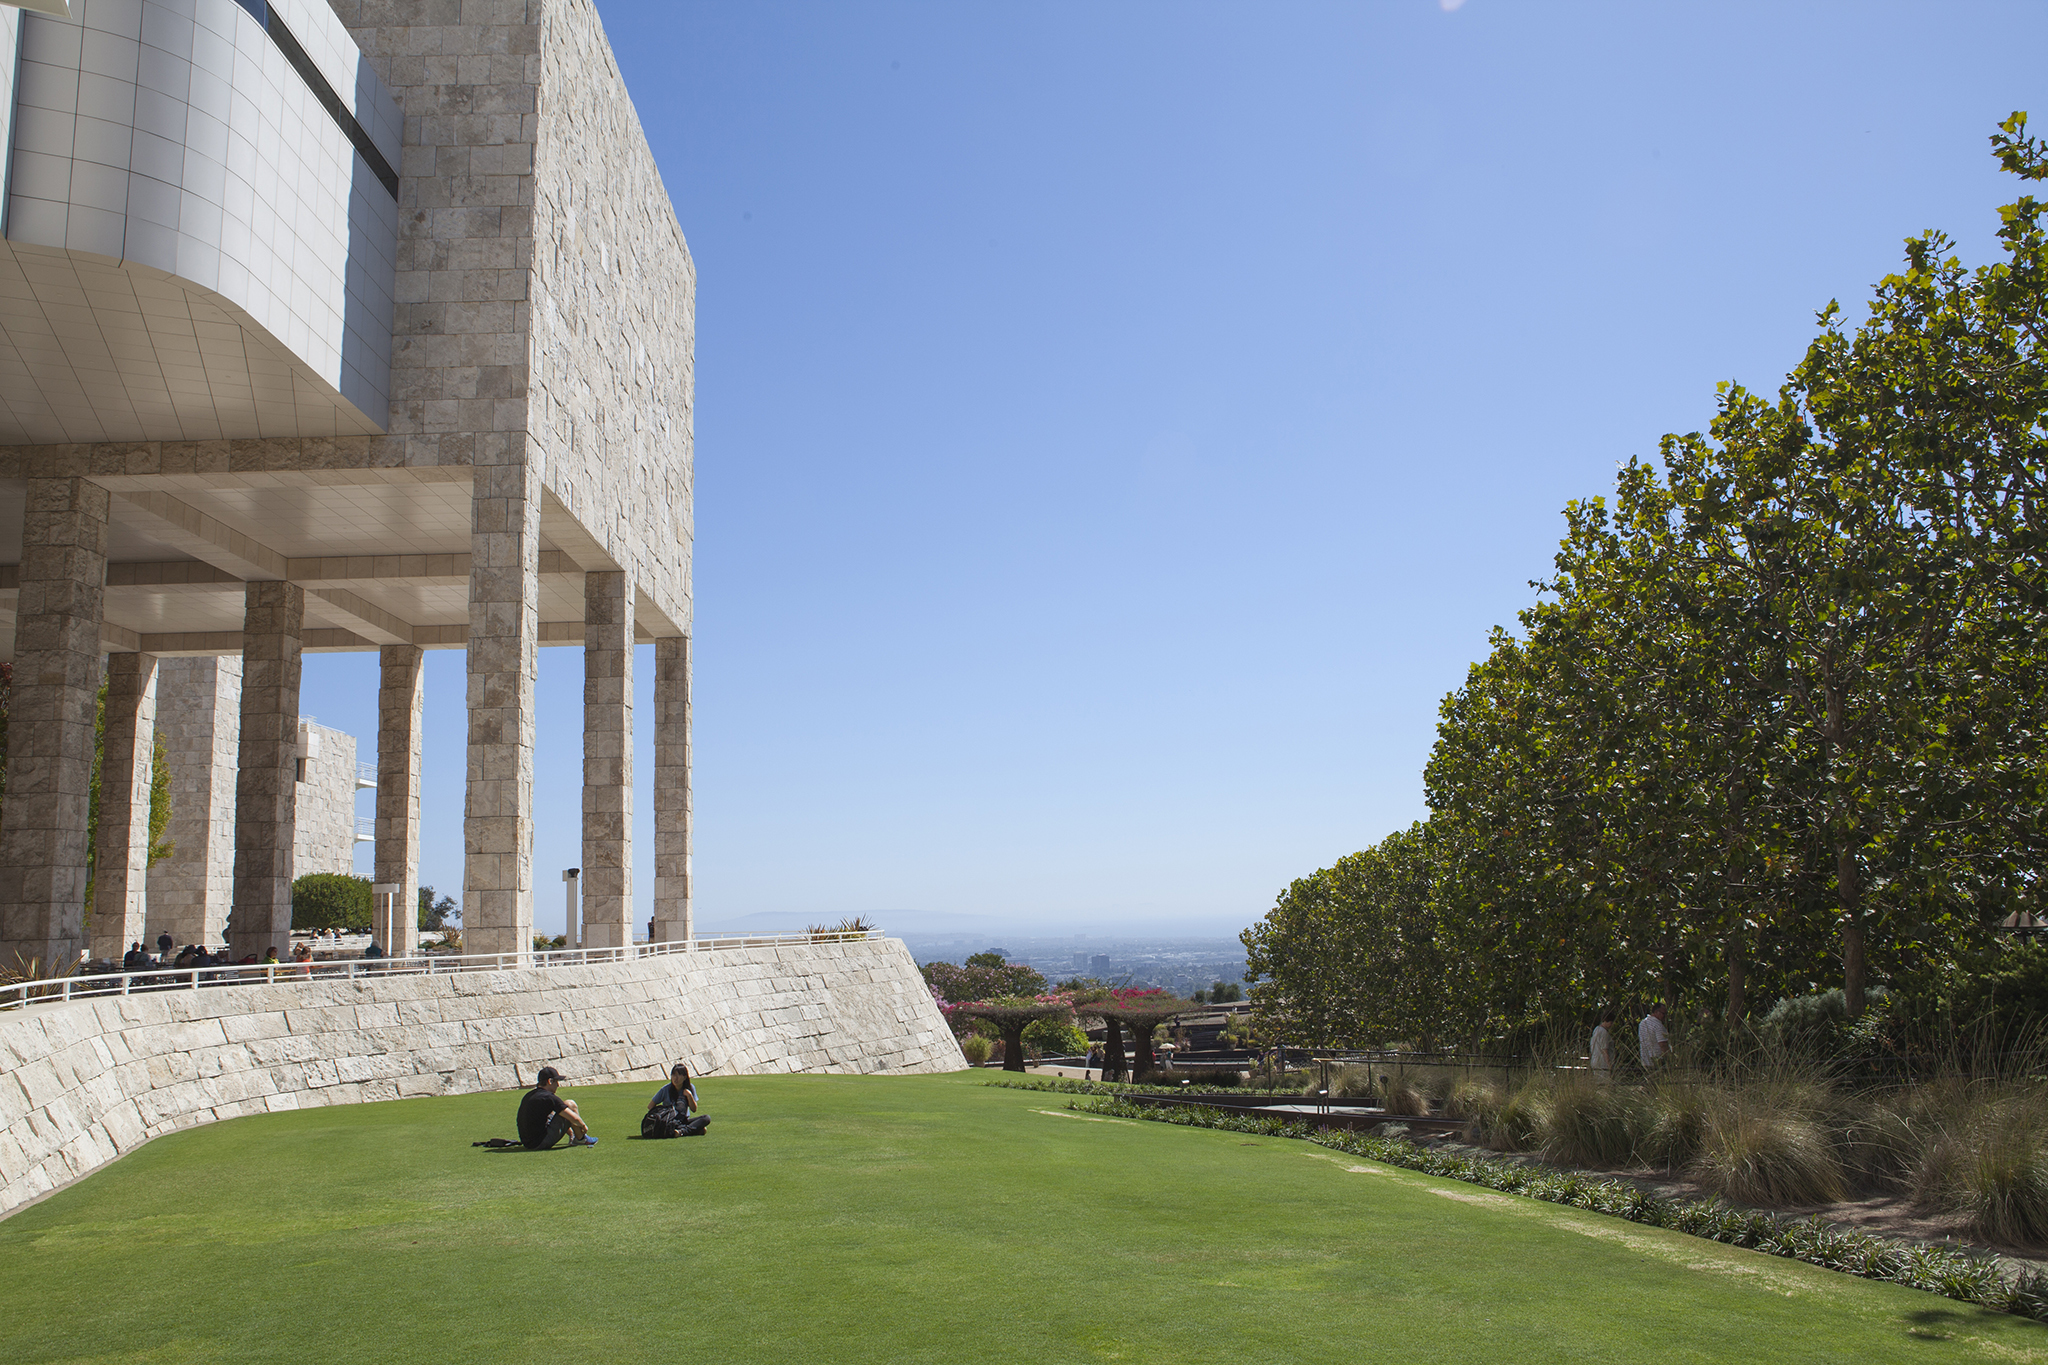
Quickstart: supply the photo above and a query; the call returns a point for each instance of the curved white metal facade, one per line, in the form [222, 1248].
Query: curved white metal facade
[194, 248]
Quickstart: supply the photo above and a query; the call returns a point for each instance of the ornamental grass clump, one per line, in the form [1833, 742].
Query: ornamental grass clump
[1679, 1119]
[1988, 1161]
[1593, 1123]
[1506, 1118]
[1763, 1145]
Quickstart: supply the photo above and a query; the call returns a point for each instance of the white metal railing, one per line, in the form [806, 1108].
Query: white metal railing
[366, 775]
[51, 990]
[366, 828]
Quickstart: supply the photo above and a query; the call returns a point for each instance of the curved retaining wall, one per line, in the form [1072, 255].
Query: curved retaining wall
[82, 1083]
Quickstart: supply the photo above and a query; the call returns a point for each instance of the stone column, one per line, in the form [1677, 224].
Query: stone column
[608, 760]
[199, 719]
[266, 779]
[63, 579]
[121, 863]
[397, 851]
[672, 914]
[504, 631]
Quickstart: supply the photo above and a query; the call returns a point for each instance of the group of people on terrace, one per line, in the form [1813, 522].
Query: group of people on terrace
[195, 955]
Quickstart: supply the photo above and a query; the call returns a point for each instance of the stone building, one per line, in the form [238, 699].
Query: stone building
[333, 325]
[198, 716]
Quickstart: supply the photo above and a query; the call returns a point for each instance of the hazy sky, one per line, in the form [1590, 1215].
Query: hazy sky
[1118, 426]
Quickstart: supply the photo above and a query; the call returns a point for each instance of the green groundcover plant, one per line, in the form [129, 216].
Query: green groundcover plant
[1951, 1271]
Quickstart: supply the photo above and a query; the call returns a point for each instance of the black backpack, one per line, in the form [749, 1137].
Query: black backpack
[667, 1121]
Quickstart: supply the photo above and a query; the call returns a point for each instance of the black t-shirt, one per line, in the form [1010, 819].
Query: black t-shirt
[536, 1107]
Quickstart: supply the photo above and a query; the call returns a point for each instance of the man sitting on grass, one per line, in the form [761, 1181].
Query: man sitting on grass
[545, 1118]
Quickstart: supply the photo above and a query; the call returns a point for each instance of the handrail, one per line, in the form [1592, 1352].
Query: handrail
[60, 988]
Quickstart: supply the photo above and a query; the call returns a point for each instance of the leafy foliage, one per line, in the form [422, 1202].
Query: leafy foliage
[331, 900]
[982, 979]
[1773, 726]
[437, 913]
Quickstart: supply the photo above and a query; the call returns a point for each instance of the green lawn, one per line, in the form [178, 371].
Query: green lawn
[830, 1219]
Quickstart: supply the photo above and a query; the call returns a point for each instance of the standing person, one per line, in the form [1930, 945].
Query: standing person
[1653, 1039]
[165, 946]
[1601, 1054]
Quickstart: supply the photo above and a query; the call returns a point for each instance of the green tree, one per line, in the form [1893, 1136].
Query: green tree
[985, 977]
[1351, 955]
[437, 914]
[331, 900]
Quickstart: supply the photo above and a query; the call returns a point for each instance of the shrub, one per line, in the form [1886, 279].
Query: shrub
[976, 1048]
[1225, 1077]
[1679, 1117]
[1592, 1123]
[1755, 1147]
[331, 900]
[1987, 1159]
[1408, 1093]
[1055, 1038]
[1354, 1083]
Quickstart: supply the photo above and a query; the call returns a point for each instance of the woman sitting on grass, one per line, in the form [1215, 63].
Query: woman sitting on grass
[680, 1094]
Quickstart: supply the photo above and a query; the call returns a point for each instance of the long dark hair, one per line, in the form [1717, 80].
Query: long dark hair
[686, 1077]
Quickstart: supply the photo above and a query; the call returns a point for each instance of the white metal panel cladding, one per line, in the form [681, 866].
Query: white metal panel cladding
[173, 140]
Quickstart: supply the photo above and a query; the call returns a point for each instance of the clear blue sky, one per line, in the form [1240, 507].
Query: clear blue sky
[1118, 426]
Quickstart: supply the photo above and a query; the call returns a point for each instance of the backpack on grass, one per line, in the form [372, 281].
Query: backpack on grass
[667, 1121]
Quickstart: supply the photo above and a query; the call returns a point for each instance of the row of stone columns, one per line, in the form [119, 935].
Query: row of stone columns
[44, 816]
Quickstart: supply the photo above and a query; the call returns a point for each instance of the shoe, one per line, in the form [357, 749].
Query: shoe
[586, 1142]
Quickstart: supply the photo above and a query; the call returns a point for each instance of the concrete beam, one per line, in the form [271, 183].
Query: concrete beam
[340, 607]
[191, 530]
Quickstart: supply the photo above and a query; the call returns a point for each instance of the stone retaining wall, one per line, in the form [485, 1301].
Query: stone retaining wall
[87, 1081]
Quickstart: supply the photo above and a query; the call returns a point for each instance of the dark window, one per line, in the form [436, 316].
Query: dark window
[263, 14]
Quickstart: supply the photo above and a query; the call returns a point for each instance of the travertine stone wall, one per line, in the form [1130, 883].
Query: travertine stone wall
[266, 769]
[607, 760]
[545, 293]
[504, 637]
[84, 1082]
[612, 315]
[324, 823]
[672, 868]
[199, 717]
[397, 854]
[50, 725]
[121, 864]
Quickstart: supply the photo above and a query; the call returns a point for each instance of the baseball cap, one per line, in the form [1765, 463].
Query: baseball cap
[548, 1073]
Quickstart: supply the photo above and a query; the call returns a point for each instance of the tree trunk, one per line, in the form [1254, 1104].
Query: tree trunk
[1013, 1045]
[1113, 1063]
[1849, 891]
[1141, 1035]
[1738, 968]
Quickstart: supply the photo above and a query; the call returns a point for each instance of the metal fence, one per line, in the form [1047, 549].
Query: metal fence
[15, 995]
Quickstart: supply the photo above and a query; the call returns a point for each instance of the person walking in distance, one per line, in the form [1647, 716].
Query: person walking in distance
[1601, 1053]
[1653, 1039]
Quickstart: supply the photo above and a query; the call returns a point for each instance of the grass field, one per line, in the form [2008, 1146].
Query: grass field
[832, 1219]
